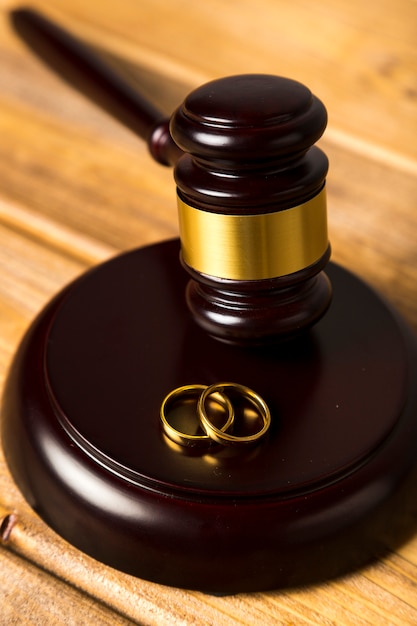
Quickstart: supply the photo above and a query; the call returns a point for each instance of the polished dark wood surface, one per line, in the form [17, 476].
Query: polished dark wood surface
[83, 440]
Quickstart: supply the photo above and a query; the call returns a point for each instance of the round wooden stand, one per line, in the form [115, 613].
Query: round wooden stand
[323, 493]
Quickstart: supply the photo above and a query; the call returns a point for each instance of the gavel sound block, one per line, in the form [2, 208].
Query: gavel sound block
[254, 300]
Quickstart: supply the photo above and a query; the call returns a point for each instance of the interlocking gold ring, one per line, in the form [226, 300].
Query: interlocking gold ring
[221, 436]
[193, 392]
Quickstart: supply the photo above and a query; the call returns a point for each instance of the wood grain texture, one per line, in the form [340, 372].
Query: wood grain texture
[77, 188]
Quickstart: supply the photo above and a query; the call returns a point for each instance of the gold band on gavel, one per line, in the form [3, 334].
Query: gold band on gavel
[254, 247]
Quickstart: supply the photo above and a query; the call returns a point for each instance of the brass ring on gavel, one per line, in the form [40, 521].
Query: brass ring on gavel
[182, 394]
[221, 436]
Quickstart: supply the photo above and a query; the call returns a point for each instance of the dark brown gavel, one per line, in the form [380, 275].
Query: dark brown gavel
[251, 187]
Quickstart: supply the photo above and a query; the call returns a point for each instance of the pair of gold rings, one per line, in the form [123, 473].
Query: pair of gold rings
[199, 415]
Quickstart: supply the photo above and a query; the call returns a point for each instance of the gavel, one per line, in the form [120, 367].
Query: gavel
[250, 183]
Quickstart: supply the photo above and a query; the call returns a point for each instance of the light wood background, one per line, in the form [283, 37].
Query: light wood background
[77, 188]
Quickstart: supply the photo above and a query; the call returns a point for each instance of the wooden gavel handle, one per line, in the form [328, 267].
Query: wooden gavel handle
[85, 70]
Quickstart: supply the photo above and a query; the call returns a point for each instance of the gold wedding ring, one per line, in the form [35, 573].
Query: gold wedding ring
[180, 399]
[244, 394]
[195, 407]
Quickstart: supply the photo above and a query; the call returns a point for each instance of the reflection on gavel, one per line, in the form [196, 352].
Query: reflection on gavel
[250, 182]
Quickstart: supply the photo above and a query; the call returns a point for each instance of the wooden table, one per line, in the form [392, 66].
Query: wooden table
[76, 188]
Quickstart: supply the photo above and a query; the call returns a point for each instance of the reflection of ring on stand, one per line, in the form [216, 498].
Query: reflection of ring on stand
[244, 393]
[182, 396]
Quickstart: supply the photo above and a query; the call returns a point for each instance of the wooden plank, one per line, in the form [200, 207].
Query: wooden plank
[21, 586]
[31, 273]
[358, 58]
[372, 224]
[111, 194]
[379, 595]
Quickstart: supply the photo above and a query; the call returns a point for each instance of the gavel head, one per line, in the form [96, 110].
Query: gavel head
[252, 207]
